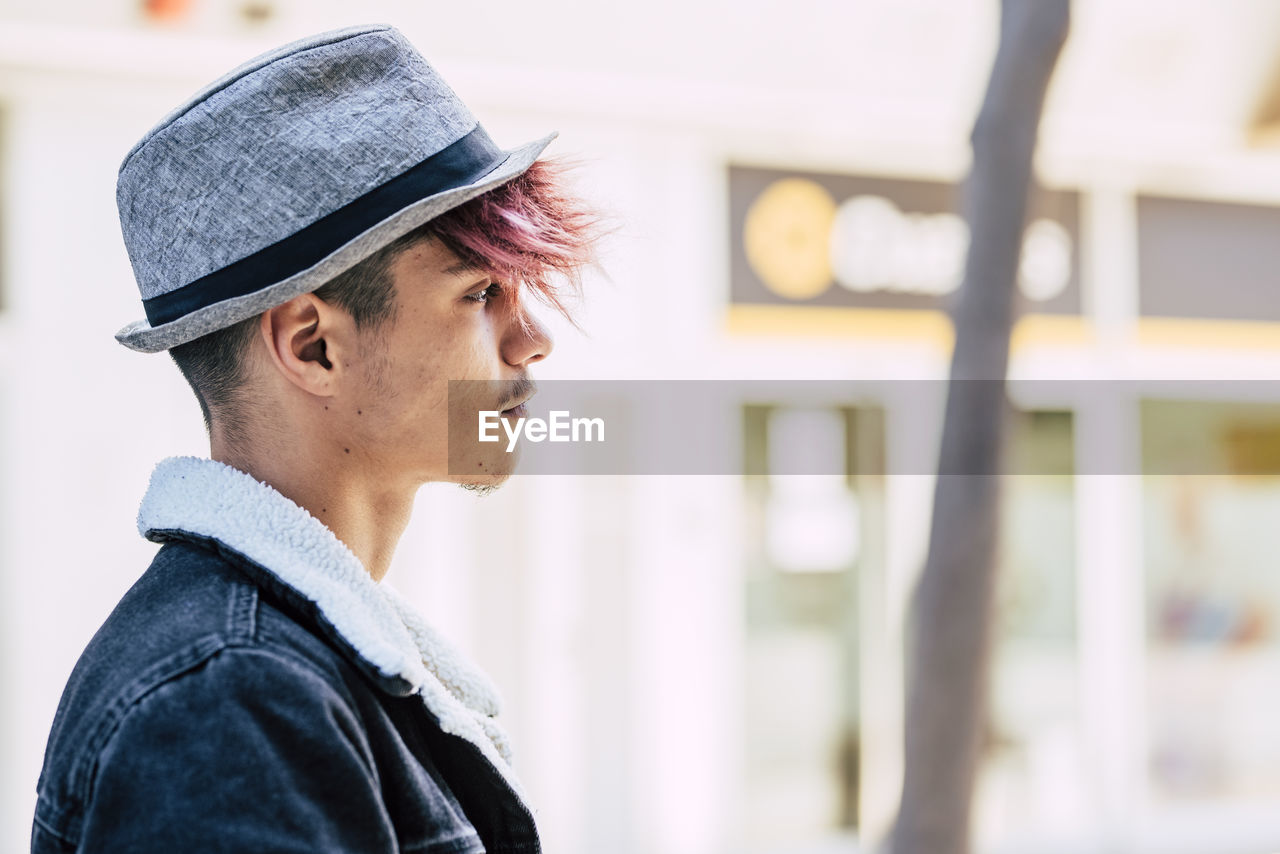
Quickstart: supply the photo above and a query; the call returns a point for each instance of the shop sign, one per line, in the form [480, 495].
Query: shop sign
[877, 243]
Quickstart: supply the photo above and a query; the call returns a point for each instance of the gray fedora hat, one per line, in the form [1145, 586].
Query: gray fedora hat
[289, 170]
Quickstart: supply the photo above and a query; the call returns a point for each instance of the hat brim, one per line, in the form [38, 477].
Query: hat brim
[145, 338]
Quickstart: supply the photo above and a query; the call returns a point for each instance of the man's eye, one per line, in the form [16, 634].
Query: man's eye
[486, 294]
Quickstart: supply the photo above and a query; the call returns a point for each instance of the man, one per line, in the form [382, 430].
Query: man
[324, 239]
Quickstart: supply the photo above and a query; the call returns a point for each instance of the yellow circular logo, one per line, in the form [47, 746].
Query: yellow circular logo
[787, 238]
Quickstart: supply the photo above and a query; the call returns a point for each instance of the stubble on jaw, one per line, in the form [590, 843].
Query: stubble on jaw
[373, 349]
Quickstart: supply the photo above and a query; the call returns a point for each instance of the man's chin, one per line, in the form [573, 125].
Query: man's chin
[481, 489]
[485, 480]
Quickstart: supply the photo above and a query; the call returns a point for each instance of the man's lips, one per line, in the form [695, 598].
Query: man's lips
[517, 407]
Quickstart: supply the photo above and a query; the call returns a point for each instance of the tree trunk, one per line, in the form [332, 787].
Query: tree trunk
[949, 633]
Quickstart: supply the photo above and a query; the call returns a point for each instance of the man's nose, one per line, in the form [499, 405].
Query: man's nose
[527, 341]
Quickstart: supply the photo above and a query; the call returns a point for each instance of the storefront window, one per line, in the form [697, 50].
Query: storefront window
[1213, 600]
[807, 547]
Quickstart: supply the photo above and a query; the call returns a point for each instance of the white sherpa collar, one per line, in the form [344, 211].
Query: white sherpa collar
[209, 499]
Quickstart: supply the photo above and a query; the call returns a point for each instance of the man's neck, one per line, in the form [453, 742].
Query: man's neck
[363, 509]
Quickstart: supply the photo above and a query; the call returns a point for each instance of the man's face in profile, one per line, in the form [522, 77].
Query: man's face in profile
[449, 324]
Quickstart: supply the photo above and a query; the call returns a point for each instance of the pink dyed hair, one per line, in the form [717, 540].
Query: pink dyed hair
[530, 232]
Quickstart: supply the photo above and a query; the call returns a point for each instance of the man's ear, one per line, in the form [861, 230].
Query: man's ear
[308, 341]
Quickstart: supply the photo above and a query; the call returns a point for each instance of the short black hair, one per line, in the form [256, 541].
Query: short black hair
[213, 364]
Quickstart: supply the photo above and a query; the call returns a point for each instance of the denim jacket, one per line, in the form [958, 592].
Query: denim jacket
[257, 691]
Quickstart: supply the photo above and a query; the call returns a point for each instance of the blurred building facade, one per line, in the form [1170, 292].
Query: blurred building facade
[705, 665]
